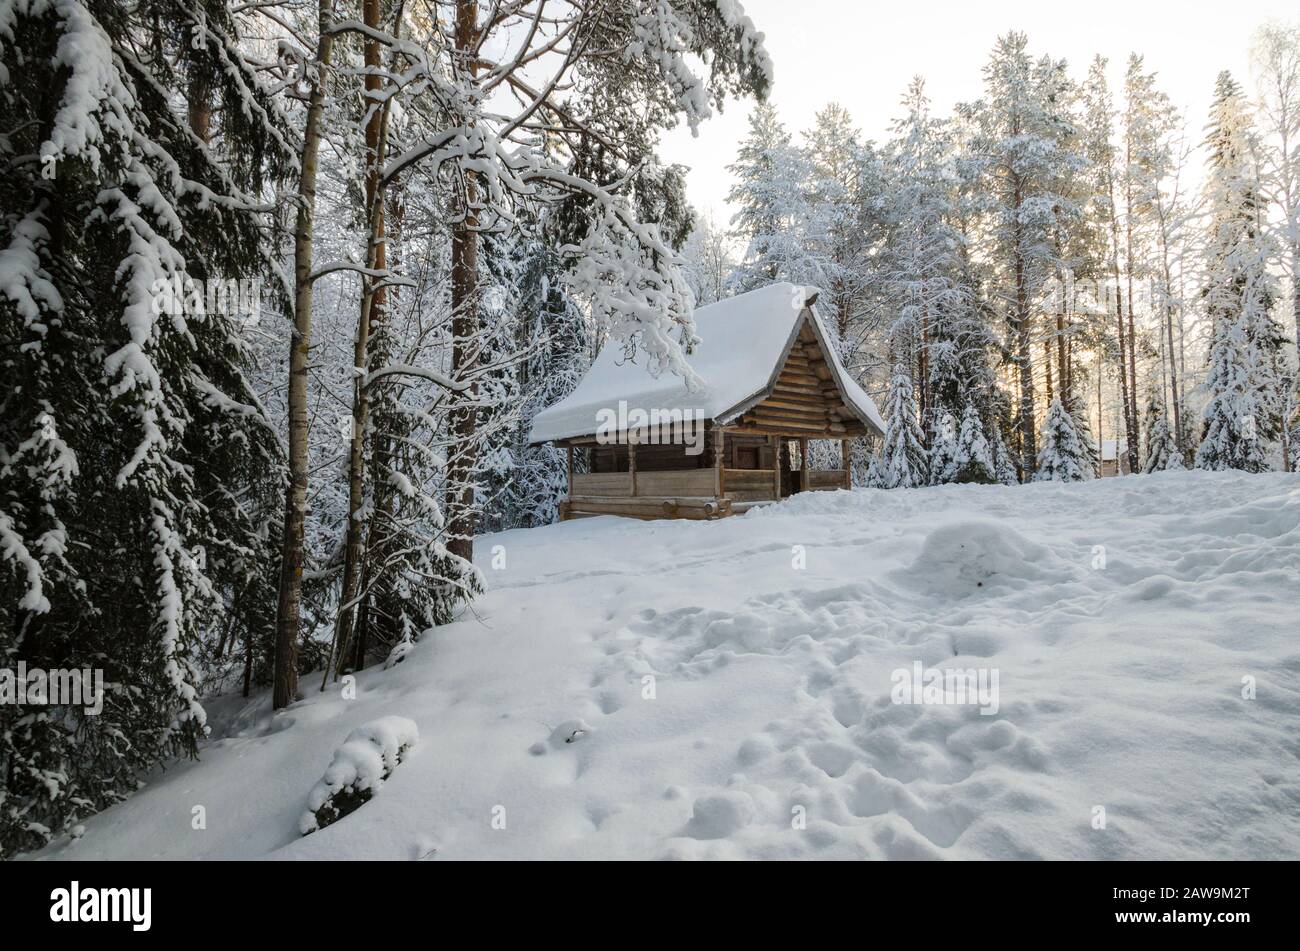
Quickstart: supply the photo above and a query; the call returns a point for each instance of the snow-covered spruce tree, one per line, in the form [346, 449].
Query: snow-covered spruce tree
[1004, 464]
[137, 518]
[1162, 451]
[1244, 413]
[1023, 146]
[552, 340]
[901, 462]
[943, 449]
[1064, 456]
[973, 459]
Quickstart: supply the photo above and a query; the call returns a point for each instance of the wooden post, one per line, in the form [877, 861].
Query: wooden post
[803, 463]
[631, 460]
[570, 447]
[775, 442]
[846, 463]
[719, 473]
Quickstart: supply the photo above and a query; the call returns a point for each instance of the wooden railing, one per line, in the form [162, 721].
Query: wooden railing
[750, 485]
[826, 479]
[691, 483]
[601, 484]
[745, 485]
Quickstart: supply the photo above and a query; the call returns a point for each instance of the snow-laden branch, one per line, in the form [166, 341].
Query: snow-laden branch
[406, 369]
[388, 278]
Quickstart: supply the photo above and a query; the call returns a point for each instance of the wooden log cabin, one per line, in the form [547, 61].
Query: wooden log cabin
[653, 447]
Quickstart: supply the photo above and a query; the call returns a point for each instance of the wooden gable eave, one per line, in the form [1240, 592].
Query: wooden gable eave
[803, 395]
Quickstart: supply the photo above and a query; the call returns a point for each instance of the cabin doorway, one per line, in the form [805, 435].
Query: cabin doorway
[792, 463]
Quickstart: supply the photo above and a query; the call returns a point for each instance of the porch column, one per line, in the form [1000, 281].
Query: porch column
[719, 472]
[846, 463]
[803, 463]
[775, 443]
[631, 460]
[570, 448]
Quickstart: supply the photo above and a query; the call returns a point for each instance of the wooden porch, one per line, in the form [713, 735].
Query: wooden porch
[705, 492]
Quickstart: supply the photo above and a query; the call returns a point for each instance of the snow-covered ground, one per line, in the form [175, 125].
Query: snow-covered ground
[771, 731]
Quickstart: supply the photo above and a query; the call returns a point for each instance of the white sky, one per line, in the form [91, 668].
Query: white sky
[862, 54]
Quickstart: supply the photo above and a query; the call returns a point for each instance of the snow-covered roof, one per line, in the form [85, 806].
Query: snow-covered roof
[743, 344]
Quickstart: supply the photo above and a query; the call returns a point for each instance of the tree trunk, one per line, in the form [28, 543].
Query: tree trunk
[1295, 290]
[1024, 357]
[1130, 424]
[1130, 410]
[1047, 370]
[199, 105]
[372, 303]
[464, 327]
[291, 553]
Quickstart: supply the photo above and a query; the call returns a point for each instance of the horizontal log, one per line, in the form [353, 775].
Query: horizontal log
[601, 483]
[826, 478]
[650, 508]
[688, 482]
[793, 426]
[749, 479]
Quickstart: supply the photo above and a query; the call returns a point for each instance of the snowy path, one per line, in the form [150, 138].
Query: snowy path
[1119, 687]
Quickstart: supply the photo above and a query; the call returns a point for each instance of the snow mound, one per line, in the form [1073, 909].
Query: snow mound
[961, 558]
[367, 757]
[720, 815]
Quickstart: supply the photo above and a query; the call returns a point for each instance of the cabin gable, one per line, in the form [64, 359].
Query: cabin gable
[803, 398]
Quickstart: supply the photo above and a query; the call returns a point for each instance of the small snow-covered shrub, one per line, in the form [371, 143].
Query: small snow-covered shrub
[367, 757]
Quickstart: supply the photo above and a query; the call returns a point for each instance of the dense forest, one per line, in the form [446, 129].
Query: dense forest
[283, 283]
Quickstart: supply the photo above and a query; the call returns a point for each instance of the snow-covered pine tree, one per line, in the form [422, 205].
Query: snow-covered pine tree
[841, 199]
[1275, 53]
[139, 471]
[943, 449]
[1162, 451]
[1023, 146]
[1243, 415]
[709, 260]
[1004, 464]
[901, 462]
[973, 458]
[1064, 456]
[920, 269]
[773, 211]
